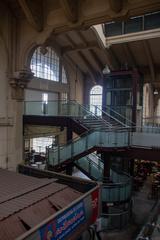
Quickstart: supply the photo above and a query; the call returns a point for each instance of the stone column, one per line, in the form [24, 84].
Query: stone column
[18, 82]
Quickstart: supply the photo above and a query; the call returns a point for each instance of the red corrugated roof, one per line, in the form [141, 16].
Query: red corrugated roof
[27, 201]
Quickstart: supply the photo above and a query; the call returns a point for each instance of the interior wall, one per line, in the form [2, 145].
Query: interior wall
[17, 42]
[10, 110]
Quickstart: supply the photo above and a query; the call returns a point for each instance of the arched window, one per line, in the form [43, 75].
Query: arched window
[96, 100]
[45, 64]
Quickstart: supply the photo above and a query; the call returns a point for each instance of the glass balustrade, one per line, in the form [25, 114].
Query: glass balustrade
[92, 139]
[95, 171]
[55, 108]
[116, 192]
[121, 187]
[115, 220]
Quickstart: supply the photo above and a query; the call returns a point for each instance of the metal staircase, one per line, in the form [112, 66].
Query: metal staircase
[119, 186]
[101, 133]
[115, 194]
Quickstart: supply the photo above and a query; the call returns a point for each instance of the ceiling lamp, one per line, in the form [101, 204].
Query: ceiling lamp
[155, 92]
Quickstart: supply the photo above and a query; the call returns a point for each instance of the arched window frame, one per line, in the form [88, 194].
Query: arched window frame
[52, 66]
[97, 106]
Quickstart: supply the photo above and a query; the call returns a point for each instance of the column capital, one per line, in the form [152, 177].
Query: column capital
[19, 81]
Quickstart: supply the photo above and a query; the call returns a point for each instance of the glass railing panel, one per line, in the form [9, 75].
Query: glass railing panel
[53, 108]
[83, 164]
[93, 169]
[93, 139]
[117, 192]
[35, 108]
[52, 157]
[115, 220]
[65, 153]
[96, 138]
[95, 172]
[114, 139]
[109, 194]
[79, 146]
[89, 168]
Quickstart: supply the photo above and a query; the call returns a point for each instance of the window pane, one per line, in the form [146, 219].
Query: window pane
[40, 144]
[96, 100]
[45, 64]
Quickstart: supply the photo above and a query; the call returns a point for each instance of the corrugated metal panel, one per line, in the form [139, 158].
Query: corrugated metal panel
[11, 228]
[13, 184]
[28, 199]
[36, 213]
[64, 197]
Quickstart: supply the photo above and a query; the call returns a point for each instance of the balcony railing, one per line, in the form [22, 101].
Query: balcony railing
[96, 138]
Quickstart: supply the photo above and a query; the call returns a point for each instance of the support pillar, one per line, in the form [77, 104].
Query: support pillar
[132, 167]
[69, 134]
[107, 165]
[69, 167]
[18, 82]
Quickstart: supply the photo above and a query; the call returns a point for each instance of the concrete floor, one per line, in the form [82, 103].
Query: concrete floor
[142, 207]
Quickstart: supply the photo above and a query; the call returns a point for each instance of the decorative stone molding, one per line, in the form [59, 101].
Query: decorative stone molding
[6, 121]
[18, 82]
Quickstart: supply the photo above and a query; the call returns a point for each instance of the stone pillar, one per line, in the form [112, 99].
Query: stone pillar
[18, 81]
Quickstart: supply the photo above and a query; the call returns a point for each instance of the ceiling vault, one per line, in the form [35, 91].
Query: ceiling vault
[97, 60]
[33, 11]
[91, 71]
[129, 55]
[70, 8]
[116, 5]
[78, 47]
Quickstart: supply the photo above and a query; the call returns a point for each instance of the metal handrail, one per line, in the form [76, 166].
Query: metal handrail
[84, 107]
[118, 114]
[113, 169]
[112, 117]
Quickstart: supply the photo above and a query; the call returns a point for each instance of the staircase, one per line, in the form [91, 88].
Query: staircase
[101, 133]
[99, 119]
[115, 194]
[120, 185]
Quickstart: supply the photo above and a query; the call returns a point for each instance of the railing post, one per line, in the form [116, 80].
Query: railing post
[72, 149]
[89, 167]
[58, 154]
[86, 142]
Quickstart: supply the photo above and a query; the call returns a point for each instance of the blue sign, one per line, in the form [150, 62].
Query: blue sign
[64, 224]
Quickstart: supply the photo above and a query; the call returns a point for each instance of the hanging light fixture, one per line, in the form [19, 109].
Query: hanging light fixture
[155, 92]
